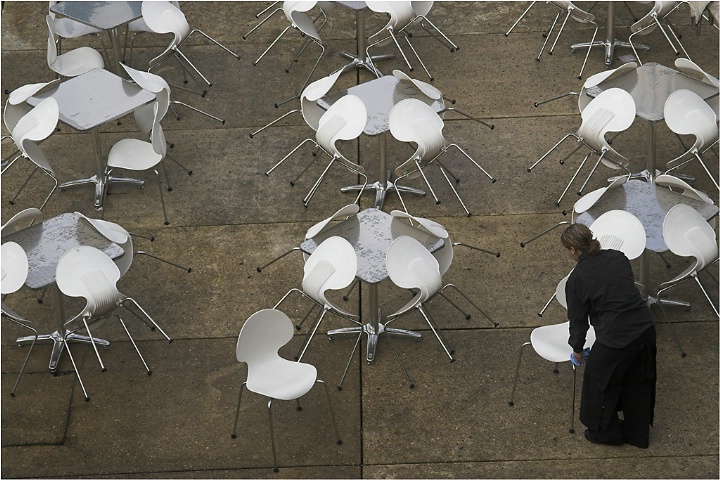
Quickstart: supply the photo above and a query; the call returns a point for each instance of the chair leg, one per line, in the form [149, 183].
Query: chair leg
[411, 384]
[142, 252]
[271, 45]
[149, 372]
[668, 322]
[347, 365]
[194, 109]
[567, 187]
[587, 55]
[572, 409]
[557, 37]
[244, 37]
[712, 177]
[137, 305]
[523, 244]
[77, 372]
[27, 356]
[511, 402]
[213, 41]
[297, 110]
[494, 323]
[332, 411]
[697, 280]
[94, 345]
[312, 334]
[444, 172]
[537, 162]
[289, 154]
[261, 267]
[422, 64]
[453, 47]
[437, 335]
[549, 34]
[22, 187]
[520, 18]
[352, 287]
[237, 411]
[162, 197]
[272, 436]
[493, 179]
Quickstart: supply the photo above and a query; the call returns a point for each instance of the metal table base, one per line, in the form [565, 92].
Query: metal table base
[382, 189]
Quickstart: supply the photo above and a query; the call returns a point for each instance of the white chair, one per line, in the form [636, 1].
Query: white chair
[15, 109]
[412, 120]
[332, 266]
[137, 27]
[309, 108]
[72, 63]
[344, 120]
[86, 272]
[400, 15]
[691, 69]
[688, 114]
[346, 212]
[300, 21]
[421, 10]
[652, 20]
[687, 234]
[611, 111]
[34, 127]
[270, 375]
[164, 17]
[65, 27]
[411, 266]
[681, 186]
[137, 155]
[14, 272]
[551, 343]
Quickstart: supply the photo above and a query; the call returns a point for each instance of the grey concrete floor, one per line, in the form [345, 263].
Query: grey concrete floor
[228, 217]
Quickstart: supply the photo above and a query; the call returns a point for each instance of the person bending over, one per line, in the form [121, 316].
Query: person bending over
[620, 370]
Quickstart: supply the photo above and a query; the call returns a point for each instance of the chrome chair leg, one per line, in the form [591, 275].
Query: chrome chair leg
[511, 402]
[149, 372]
[520, 18]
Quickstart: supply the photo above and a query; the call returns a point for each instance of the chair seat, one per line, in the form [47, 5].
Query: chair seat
[133, 154]
[78, 61]
[545, 341]
[281, 379]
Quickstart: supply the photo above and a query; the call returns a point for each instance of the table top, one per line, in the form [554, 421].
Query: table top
[371, 232]
[102, 15]
[45, 243]
[650, 204]
[650, 85]
[353, 5]
[94, 98]
[380, 96]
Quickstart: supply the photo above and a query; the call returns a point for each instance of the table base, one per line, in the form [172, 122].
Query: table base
[58, 340]
[382, 189]
[609, 46]
[368, 64]
[100, 186]
[373, 335]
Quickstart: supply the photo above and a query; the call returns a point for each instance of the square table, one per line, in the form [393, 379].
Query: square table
[371, 232]
[106, 16]
[650, 85]
[88, 101]
[45, 244]
[380, 96]
[650, 204]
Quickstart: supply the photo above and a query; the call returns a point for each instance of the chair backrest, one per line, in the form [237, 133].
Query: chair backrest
[114, 233]
[345, 211]
[598, 78]
[144, 115]
[344, 120]
[52, 53]
[157, 136]
[15, 107]
[424, 224]
[37, 124]
[427, 89]
[675, 184]
[648, 23]
[262, 335]
[421, 8]
[560, 291]
[412, 120]
[14, 266]
[688, 114]
[87, 272]
[311, 112]
[611, 111]
[620, 230]
[295, 12]
[411, 265]
[164, 17]
[401, 13]
[27, 215]
[688, 234]
[690, 68]
[587, 201]
[332, 266]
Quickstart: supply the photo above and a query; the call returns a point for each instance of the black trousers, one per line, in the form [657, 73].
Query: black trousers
[620, 379]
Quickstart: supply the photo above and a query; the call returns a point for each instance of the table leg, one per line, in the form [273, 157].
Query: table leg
[58, 336]
[610, 43]
[384, 185]
[115, 40]
[99, 178]
[360, 60]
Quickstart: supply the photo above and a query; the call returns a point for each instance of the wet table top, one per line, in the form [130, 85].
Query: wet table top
[371, 232]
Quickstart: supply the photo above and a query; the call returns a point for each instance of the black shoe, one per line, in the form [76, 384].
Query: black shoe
[616, 441]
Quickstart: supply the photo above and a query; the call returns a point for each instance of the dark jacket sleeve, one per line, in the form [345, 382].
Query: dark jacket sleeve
[578, 311]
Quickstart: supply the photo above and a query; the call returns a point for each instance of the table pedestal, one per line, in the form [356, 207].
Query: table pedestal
[58, 336]
[610, 42]
[361, 60]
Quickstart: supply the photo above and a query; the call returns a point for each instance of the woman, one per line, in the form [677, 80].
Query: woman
[620, 371]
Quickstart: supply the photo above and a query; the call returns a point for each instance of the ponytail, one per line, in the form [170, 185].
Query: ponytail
[580, 237]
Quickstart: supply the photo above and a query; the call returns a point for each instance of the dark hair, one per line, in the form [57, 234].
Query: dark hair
[580, 237]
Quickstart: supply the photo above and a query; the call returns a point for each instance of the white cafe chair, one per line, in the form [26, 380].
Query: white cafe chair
[164, 17]
[34, 127]
[551, 343]
[72, 63]
[412, 120]
[65, 27]
[611, 111]
[86, 272]
[332, 266]
[138, 155]
[137, 27]
[687, 234]
[654, 19]
[16, 108]
[400, 15]
[688, 114]
[411, 266]
[268, 374]
[14, 265]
